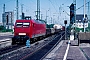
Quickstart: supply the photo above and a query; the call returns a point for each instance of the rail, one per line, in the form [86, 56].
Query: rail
[53, 47]
[5, 42]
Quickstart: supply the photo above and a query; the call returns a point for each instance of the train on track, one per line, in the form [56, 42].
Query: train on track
[31, 29]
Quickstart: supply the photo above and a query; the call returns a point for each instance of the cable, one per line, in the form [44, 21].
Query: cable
[63, 8]
[25, 5]
[81, 6]
[52, 5]
[66, 12]
[57, 4]
[33, 5]
[66, 1]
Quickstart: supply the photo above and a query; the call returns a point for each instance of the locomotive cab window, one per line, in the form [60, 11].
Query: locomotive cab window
[19, 24]
[26, 24]
[22, 24]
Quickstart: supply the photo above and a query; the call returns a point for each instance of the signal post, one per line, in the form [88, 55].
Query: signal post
[65, 22]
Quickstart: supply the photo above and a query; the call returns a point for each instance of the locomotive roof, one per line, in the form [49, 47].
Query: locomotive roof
[34, 21]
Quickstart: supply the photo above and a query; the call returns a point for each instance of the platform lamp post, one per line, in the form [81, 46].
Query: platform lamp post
[84, 15]
[84, 21]
[65, 22]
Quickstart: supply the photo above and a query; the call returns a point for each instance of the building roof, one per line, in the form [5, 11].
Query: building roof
[80, 16]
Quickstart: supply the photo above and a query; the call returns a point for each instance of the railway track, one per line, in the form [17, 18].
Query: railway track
[9, 49]
[42, 52]
[22, 52]
[5, 43]
[9, 54]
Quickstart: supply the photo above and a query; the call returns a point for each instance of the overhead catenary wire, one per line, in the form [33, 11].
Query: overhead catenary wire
[62, 8]
[27, 8]
[82, 6]
[66, 12]
[31, 8]
[53, 5]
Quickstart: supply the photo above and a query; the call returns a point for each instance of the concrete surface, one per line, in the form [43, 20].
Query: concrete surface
[74, 52]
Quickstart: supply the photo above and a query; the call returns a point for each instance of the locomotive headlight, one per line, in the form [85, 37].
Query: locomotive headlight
[22, 33]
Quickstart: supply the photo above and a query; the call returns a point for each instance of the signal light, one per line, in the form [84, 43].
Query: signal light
[72, 14]
[65, 22]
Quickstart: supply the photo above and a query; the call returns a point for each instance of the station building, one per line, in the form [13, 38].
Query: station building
[80, 21]
[8, 20]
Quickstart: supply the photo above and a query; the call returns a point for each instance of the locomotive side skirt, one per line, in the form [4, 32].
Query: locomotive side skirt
[37, 35]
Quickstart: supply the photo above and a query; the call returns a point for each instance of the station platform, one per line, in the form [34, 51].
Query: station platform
[74, 52]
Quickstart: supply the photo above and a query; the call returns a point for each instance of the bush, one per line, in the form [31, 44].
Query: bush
[2, 27]
[7, 30]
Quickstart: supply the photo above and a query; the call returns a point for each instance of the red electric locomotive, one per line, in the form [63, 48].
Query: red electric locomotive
[28, 29]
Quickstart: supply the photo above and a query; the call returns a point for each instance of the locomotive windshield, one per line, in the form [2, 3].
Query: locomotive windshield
[19, 24]
[25, 24]
[22, 24]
